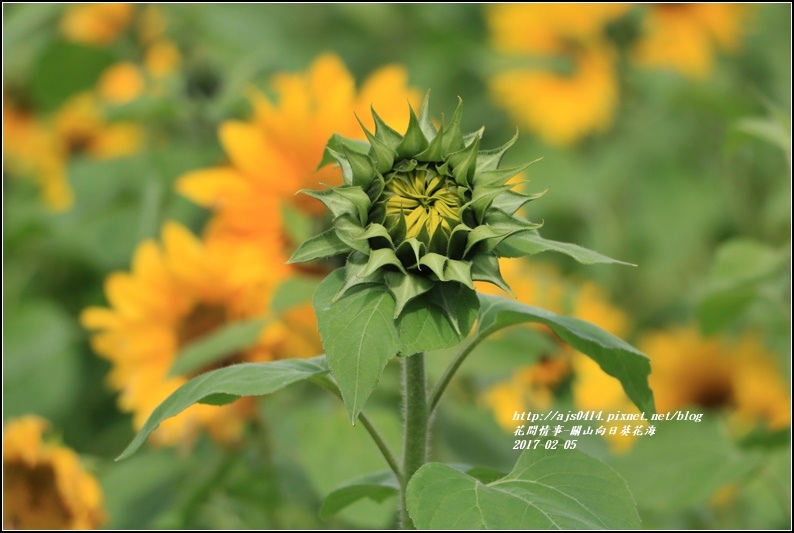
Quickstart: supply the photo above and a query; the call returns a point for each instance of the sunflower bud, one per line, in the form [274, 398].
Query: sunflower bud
[419, 212]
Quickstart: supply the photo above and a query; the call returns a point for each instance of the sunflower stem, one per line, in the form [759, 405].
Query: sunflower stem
[416, 415]
[377, 438]
[442, 384]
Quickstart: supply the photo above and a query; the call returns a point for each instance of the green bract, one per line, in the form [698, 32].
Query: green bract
[421, 213]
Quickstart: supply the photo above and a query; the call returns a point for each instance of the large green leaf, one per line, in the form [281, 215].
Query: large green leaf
[547, 489]
[246, 379]
[359, 335]
[438, 319]
[377, 486]
[741, 270]
[530, 242]
[615, 356]
[217, 346]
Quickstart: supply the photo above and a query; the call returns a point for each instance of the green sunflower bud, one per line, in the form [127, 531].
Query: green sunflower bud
[423, 212]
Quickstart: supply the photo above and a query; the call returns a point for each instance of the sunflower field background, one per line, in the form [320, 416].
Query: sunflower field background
[151, 155]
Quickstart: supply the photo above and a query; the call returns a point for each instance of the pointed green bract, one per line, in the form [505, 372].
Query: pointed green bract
[325, 244]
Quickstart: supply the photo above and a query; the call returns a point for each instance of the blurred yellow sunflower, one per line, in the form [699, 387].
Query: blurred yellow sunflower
[686, 37]
[277, 152]
[126, 81]
[175, 294]
[95, 24]
[81, 128]
[560, 107]
[31, 149]
[44, 484]
[717, 373]
[40, 147]
[547, 29]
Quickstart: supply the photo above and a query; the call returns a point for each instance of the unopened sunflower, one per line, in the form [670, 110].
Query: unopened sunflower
[422, 213]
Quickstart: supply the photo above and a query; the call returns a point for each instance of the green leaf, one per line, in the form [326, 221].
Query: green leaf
[740, 269]
[245, 379]
[530, 242]
[460, 304]
[742, 261]
[377, 486]
[547, 489]
[425, 325]
[615, 357]
[359, 336]
[216, 346]
[405, 287]
[219, 399]
[325, 244]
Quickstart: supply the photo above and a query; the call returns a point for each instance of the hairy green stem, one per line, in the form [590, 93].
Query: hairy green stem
[441, 386]
[416, 416]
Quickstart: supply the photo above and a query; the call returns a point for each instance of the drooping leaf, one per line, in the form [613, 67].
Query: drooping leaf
[359, 336]
[547, 489]
[325, 244]
[377, 486]
[615, 356]
[529, 242]
[245, 379]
